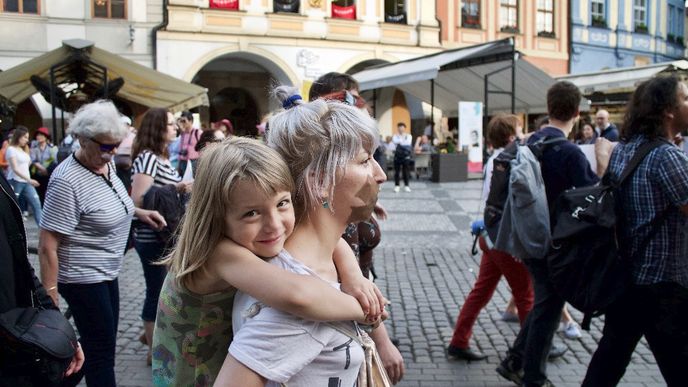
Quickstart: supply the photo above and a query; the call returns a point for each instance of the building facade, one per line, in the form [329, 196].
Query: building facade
[540, 28]
[238, 49]
[608, 34]
[29, 28]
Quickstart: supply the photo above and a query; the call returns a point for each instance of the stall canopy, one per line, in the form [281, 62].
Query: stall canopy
[79, 66]
[477, 73]
[623, 79]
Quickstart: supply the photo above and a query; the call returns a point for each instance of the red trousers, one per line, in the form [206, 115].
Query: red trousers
[493, 265]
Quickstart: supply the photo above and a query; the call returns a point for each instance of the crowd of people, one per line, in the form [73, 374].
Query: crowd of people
[272, 283]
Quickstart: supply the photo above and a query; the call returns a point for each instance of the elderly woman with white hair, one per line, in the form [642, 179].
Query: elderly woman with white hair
[83, 235]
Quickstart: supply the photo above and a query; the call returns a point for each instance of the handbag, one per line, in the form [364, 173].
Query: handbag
[372, 372]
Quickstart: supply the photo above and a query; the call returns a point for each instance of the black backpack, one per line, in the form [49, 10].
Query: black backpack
[499, 184]
[587, 265]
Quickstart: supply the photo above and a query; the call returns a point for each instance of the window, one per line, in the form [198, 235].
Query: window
[395, 11]
[224, 4]
[640, 15]
[597, 13]
[110, 9]
[286, 6]
[470, 13]
[675, 27]
[344, 9]
[544, 22]
[19, 6]
[508, 15]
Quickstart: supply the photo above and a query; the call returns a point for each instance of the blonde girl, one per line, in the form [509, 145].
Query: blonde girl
[240, 209]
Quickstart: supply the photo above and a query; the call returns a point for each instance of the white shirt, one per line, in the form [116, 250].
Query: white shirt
[489, 166]
[402, 139]
[22, 161]
[287, 349]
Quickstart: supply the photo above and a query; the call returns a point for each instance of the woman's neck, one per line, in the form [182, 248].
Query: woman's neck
[314, 240]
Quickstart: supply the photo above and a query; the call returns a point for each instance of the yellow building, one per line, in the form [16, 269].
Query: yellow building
[238, 49]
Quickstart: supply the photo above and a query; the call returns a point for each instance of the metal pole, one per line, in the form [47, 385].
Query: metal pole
[486, 98]
[432, 102]
[52, 100]
[375, 103]
[513, 77]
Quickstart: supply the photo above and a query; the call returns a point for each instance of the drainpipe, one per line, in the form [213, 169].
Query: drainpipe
[154, 33]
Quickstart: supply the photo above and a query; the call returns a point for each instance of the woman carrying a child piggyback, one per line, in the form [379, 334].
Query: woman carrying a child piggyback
[328, 146]
[240, 215]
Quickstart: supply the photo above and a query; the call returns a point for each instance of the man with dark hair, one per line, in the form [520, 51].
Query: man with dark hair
[332, 82]
[187, 142]
[654, 198]
[563, 166]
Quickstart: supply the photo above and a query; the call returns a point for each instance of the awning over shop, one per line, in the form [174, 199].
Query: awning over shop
[466, 74]
[141, 84]
[622, 79]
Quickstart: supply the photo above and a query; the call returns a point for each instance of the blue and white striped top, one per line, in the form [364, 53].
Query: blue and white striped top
[93, 215]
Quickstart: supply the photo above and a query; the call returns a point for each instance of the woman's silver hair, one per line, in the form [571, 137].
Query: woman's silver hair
[98, 118]
[317, 139]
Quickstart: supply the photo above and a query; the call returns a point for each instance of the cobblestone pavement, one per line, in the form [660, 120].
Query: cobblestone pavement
[425, 268]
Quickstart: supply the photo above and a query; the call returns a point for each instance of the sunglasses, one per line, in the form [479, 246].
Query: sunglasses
[106, 147]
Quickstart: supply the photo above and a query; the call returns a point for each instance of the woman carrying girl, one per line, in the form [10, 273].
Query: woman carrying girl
[328, 146]
[241, 209]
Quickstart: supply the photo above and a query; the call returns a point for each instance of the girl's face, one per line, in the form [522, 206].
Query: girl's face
[357, 188]
[587, 132]
[259, 222]
[171, 128]
[23, 140]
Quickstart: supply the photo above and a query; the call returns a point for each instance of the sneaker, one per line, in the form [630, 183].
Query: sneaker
[509, 370]
[396, 188]
[465, 353]
[572, 330]
[407, 189]
[510, 317]
[557, 350]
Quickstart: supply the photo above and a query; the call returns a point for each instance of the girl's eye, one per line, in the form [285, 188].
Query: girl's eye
[283, 203]
[250, 214]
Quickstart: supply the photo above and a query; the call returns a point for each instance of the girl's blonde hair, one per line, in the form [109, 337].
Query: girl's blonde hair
[317, 139]
[219, 168]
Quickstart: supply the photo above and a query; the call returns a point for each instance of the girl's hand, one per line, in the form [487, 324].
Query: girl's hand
[34, 183]
[152, 218]
[184, 187]
[367, 294]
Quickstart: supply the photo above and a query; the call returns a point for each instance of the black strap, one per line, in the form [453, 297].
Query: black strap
[15, 236]
[638, 157]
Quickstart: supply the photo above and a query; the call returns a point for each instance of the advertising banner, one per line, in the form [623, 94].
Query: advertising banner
[471, 134]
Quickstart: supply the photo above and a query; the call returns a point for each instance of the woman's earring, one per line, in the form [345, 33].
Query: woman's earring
[325, 203]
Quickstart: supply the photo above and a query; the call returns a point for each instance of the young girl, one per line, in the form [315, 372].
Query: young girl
[240, 208]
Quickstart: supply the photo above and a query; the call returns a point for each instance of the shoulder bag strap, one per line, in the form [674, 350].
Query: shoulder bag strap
[638, 157]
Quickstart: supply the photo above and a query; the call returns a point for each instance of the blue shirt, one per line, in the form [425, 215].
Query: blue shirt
[563, 165]
[660, 181]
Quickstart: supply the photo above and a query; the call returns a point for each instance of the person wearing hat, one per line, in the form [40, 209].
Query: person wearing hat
[225, 126]
[43, 159]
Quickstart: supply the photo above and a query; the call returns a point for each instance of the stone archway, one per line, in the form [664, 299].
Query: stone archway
[238, 86]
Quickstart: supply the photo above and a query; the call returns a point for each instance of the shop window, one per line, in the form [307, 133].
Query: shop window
[19, 6]
[470, 13]
[286, 6]
[545, 18]
[598, 17]
[508, 15]
[224, 4]
[395, 11]
[344, 9]
[110, 9]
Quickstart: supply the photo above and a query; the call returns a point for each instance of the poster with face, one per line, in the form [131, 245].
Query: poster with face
[471, 133]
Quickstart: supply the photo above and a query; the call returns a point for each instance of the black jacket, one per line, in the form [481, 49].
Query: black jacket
[171, 205]
[17, 277]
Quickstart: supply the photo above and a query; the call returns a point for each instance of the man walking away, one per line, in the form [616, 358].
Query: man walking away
[563, 166]
[656, 303]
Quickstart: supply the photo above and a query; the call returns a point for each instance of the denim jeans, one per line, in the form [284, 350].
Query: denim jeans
[96, 313]
[660, 313]
[28, 192]
[534, 341]
[149, 253]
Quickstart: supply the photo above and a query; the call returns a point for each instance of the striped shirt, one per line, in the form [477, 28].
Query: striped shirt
[163, 173]
[93, 216]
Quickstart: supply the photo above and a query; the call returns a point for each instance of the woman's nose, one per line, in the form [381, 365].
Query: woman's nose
[379, 175]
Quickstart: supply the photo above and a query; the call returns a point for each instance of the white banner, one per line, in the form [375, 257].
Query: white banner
[471, 133]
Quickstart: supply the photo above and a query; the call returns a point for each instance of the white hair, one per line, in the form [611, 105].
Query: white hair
[98, 118]
[317, 139]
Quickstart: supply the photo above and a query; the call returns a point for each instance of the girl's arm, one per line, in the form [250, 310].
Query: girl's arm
[12, 161]
[235, 374]
[140, 184]
[353, 282]
[305, 296]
